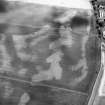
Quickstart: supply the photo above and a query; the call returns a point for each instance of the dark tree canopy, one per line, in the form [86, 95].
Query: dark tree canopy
[3, 6]
[77, 21]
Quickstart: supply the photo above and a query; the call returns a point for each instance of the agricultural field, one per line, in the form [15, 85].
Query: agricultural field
[48, 55]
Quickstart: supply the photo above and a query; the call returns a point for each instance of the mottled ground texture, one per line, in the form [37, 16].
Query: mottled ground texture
[48, 55]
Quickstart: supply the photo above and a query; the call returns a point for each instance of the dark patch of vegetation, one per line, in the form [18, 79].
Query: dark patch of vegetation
[78, 21]
[3, 6]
